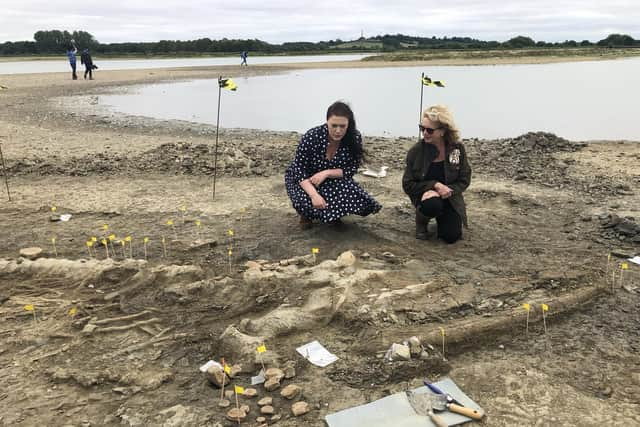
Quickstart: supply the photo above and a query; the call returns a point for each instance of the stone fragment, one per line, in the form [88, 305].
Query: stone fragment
[290, 391]
[252, 264]
[274, 373]
[245, 408]
[224, 403]
[415, 347]
[265, 401]
[400, 352]
[31, 253]
[216, 376]
[235, 370]
[276, 417]
[289, 369]
[229, 394]
[236, 414]
[300, 408]
[346, 259]
[261, 419]
[271, 384]
[267, 410]
[250, 392]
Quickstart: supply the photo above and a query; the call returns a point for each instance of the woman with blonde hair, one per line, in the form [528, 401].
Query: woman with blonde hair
[437, 171]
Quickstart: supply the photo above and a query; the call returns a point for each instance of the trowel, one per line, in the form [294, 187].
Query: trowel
[422, 403]
[440, 402]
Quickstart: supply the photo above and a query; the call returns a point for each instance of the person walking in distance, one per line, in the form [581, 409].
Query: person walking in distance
[71, 54]
[85, 58]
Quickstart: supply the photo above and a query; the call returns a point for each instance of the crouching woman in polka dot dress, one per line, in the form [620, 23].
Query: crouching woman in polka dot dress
[320, 181]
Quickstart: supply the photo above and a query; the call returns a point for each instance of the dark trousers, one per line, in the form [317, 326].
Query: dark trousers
[74, 76]
[88, 69]
[448, 220]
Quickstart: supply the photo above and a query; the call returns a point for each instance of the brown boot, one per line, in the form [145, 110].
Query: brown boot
[422, 223]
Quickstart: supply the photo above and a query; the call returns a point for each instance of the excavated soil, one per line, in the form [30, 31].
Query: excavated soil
[544, 215]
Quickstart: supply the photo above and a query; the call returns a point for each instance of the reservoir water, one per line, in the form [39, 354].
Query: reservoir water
[577, 101]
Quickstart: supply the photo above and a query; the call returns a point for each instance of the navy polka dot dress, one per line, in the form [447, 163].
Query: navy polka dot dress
[343, 195]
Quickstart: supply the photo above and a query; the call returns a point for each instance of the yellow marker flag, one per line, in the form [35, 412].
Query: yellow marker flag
[127, 239]
[230, 252]
[262, 348]
[243, 210]
[94, 239]
[609, 257]
[72, 311]
[442, 332]
[227, 369]
[227, 84]
[89, 243]
[146, 240]
[315, 250]
[53, 240]
[183, 208]
[122, 242]
[112, 237]
[105, 227]
[428, 82]
[624, 266]
[230, 232]
[104, 242]
[526, 306]
[29, 307]
[53, 209]
[545, 307]
[170, 222]
[198, 223]
[238, 389]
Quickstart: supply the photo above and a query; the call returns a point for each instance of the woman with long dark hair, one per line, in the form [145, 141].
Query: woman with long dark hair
[320, 181]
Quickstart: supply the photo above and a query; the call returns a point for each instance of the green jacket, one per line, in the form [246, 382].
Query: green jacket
[457, 172]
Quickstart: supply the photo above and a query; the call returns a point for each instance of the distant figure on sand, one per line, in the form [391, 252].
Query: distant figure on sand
[85, 58]
[243, 56]
[436, 174]
[320, 181]
[71, 54]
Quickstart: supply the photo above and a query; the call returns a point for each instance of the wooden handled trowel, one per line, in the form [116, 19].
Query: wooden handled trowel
[422, 403]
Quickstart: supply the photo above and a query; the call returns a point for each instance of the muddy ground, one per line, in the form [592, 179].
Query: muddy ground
[544, 213]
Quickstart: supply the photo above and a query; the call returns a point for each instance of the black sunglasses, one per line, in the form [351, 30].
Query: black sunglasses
[429, 131]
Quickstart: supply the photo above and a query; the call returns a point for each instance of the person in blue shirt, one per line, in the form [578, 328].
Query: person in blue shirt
[243, 56]
[71, 54]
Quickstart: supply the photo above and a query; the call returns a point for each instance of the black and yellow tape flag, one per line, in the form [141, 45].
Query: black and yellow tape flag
[227, 84]
[428, 82]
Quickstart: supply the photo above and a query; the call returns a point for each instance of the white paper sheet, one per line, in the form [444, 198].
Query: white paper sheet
[635, 259]
[315, 353]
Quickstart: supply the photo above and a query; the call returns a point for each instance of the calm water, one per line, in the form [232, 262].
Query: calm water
[578, 101]
[26, 67]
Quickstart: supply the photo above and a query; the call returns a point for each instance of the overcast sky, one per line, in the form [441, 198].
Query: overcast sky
[277, 21]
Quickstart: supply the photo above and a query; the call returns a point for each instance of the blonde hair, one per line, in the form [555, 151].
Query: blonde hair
[441, 114]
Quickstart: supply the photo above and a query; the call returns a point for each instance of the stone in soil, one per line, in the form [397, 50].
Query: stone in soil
[300, 408]
[267, 410]
[265, 401]
[271, 384]
[236, 414]
[290, 391]
[223, 403]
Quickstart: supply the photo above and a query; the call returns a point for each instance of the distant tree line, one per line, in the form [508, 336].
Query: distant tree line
[57, 42]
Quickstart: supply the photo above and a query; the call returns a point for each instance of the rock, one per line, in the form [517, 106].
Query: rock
[31, 253]
[300, 408]
[229, 394]
[261, 420]
[236, 414]
[265, 401]
[250, 392]
[274, 373]
[290, 391]
[224, 403]
[346, 259]
[235, 370]
[252, 264]
[271, 384]
[276, 417]
[400, 352]
[415, 347]
[89, 328]
[267, 410]
[216, 376]
[289, 369]
[424, 355]
[245, 409]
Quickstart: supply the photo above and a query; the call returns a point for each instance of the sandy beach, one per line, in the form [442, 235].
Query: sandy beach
[118, 340]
